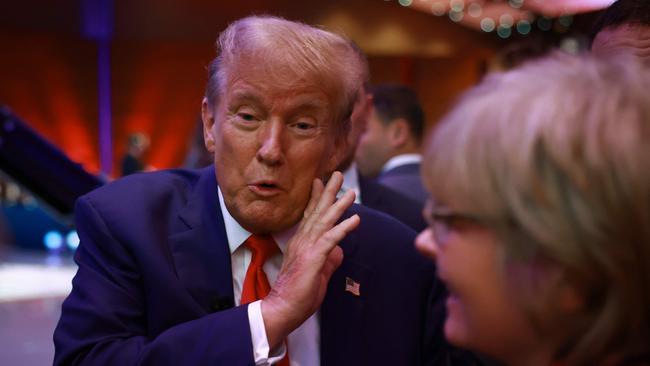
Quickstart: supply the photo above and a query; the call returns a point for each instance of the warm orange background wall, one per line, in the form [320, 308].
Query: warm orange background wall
[157, 88]
[160, 53]
[51, 83]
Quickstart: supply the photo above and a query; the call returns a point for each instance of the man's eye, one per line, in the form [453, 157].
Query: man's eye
[303, 125]
[246, 116]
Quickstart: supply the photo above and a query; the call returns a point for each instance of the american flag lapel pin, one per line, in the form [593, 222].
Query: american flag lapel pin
[352, 286]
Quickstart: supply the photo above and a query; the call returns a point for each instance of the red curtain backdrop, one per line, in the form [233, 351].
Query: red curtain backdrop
[52, 86]
[157, 90]
[51, 83]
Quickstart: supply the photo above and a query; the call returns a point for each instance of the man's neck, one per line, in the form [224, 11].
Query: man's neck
[236, 234]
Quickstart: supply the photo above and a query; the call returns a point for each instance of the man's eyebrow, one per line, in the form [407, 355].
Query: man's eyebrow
[247, 96]
[309, 102]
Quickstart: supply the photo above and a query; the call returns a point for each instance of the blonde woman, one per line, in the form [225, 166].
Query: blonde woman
[540, 214]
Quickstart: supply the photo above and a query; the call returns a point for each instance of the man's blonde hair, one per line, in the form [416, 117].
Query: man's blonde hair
[293, 55]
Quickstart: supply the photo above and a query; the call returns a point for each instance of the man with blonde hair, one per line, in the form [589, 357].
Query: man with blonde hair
[253, 260]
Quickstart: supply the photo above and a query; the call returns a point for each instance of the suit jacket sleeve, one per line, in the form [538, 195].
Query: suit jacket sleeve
[104, 320]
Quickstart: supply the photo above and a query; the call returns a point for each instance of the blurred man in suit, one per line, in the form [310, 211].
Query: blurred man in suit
[136, 146]
[368, 192]
[390, 147]
[253, 261]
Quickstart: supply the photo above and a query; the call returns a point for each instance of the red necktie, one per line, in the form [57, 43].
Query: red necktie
[256, 284]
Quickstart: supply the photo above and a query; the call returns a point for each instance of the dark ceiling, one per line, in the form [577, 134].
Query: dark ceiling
[153, 19]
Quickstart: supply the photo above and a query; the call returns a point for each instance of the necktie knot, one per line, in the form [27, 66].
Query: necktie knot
[262, 248]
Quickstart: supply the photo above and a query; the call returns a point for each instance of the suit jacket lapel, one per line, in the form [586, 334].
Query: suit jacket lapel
[342, 311]
[199, 247]
[370, 196]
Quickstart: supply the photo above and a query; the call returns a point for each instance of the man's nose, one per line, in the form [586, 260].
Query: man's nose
[270, 151]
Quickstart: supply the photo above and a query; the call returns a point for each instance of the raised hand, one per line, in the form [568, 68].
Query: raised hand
[311, 257]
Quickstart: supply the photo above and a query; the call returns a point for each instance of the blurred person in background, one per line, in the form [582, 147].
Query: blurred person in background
[369, 192]
[136, 145]
[389, 149]
[197, 156]
[541, 225]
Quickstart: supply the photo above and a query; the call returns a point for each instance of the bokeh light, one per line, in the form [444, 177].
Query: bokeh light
[456, 16]
[487, 24]
[506, 20]
[566, 20]
[457, 5]
[504, 32]
[72, 240]
[53, 240]
[570, 45]
[474, 10]
[438, 9]
[544, 23]
[523, 27]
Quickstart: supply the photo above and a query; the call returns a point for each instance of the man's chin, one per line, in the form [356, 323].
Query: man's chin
[266, 226]
[262, 222]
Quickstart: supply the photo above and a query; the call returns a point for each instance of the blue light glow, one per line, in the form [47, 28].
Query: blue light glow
[72, 240]
[53, 240]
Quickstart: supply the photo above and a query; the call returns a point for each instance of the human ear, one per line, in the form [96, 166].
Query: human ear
[398, 133]
[208, 116]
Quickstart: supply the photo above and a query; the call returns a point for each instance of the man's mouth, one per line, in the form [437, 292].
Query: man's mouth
[265, 188]
[266, 183]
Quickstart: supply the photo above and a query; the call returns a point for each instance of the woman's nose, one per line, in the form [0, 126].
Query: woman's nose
[425, 244]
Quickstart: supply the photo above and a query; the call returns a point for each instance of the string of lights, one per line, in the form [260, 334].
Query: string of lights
[507, 18]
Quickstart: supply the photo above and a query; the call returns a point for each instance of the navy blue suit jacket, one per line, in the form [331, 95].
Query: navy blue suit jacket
[384, 199]
[406, 180]
[154, 285]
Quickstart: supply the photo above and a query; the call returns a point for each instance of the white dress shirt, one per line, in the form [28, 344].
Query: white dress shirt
[400, 160]
[351, 182]
[303, 342]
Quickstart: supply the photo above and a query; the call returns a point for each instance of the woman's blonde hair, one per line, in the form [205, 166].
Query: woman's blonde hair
[557, 155]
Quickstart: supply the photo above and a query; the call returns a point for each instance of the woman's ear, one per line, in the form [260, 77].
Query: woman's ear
[208, 117]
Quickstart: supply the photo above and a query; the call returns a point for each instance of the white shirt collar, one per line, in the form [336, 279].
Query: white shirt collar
[400, 160]
[351, 182]
[236, 234]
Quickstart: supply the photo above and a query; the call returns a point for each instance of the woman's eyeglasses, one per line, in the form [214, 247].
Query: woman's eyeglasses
[442, 221]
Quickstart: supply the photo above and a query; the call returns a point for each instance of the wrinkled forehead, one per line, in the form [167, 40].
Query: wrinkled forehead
[260, 92]
[279, 74]
[273, 80]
